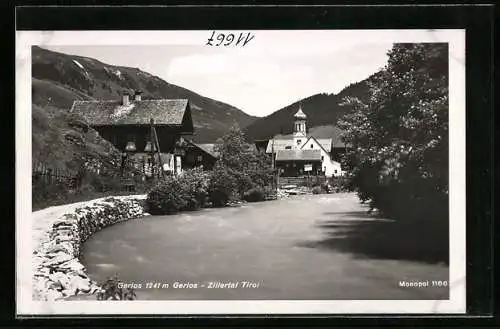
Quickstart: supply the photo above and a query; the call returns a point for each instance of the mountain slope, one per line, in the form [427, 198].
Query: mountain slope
[61, 141]
[59, 79]
[321, 109]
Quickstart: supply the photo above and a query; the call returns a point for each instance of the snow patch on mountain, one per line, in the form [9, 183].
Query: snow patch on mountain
[78, 64]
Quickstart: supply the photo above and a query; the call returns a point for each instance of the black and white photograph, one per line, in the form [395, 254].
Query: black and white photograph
[257, 171]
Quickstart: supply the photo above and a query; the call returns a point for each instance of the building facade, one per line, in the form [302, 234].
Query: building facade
[200, 155]
[303, 154]
[128, 124]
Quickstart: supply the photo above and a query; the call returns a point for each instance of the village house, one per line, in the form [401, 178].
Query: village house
[200, 155]
[300, 154]
[142, 128]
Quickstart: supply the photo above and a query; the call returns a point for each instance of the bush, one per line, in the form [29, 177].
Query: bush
[194, 188]
[270, 193]
[177, 193]
[45, 194]
[112, 290]
[255, 195]
[243, 182]
[222, 186]
[318, 190]
[104, 183]
[338, 184]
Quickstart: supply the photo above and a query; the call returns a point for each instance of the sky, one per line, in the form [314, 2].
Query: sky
[272, 71]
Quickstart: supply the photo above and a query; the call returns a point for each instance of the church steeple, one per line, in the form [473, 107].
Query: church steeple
[300, 114]
[299, 129]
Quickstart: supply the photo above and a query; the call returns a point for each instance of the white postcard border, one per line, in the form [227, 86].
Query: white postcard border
[25, 304]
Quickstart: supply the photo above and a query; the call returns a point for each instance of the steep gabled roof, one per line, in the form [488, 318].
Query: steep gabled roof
[324, 143]
[293, 155]
[208, 148]
[169, 112]
[279, 144]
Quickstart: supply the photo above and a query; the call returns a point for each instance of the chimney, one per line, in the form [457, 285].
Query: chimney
[137, 95]
[125, 99]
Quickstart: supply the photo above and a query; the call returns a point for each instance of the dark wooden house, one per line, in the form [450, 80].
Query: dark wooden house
[199, 155]
[127, 123]
[261, 145]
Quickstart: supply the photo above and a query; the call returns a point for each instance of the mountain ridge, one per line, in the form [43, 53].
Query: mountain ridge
[59, 79]
[322, 109]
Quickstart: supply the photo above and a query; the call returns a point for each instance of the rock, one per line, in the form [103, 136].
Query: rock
[56, 286]
[79, 284]
[57, 258]
[56, 248]
[68, 292]
[63, 237]
[72, 265]
[42, 271]
[58, 273]
[61, 224]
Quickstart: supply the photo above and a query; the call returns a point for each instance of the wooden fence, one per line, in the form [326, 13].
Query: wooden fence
[42, 173]
[301, 181]
[47, 175]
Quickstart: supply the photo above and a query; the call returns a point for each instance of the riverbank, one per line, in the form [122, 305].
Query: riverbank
[58, 234]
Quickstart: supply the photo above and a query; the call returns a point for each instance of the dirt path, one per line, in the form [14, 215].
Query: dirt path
[307, 247]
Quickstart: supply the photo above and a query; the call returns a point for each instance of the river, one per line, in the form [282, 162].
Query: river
[305, 247]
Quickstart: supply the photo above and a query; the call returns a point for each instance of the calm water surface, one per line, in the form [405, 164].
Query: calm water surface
[307, 247]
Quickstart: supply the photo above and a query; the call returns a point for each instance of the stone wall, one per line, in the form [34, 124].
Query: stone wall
[58, 272]
[301, 181]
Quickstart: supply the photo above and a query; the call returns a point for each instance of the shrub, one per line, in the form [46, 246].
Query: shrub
[166, 197]
[194, 188]
[104, 183]
[243, 182]
[222, 186]
[44, 194]
[270, 193]
[255, 195]
[318, 190]
[338, 184]
[177, 193]
[113, 290]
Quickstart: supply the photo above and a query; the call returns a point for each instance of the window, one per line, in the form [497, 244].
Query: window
[288, 147]
[322, 158]
[299, 141]
[312, 146]
[200, 158]
[335, 171]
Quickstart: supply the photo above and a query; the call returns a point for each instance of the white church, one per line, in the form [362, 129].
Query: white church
[300, 154]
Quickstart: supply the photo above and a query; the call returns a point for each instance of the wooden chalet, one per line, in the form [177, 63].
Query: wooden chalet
[200, 155]
[147, 131]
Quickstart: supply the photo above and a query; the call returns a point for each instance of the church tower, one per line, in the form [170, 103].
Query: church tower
[299, 129]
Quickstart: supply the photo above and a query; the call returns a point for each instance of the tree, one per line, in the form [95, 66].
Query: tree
[399, 137]
[242, 162]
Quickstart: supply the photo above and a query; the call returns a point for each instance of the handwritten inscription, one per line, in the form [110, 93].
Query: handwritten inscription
[229, 39]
